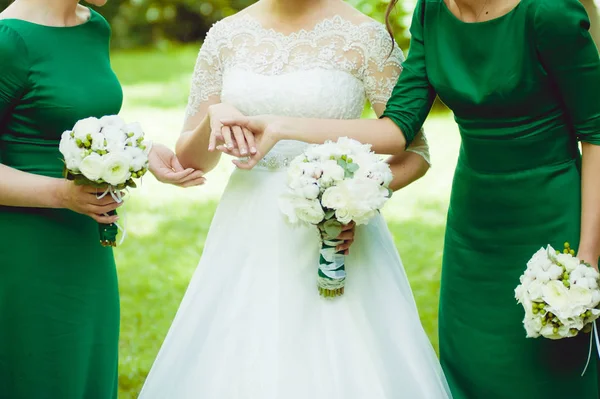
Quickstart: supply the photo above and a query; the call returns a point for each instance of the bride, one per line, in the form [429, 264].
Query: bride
[252, 324]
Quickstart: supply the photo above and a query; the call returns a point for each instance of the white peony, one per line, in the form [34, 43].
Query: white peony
[86, 128]
[112, 120]
[93, 167]
[117, 165]
[301, 209]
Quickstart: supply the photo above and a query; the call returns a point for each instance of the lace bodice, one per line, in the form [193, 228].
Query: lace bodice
[327, 72]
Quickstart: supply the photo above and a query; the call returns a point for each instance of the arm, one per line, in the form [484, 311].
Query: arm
[21, 189]
[403, 118]
[575, 71]
[202, 128]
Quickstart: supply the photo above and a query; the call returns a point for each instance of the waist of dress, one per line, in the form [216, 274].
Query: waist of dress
[495, 154]
[33, 156]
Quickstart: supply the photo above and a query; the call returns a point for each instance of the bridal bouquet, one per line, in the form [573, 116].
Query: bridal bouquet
[329, 186]
[559, 293]
[108, 154]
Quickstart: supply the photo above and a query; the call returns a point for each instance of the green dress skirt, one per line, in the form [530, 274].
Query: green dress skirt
[59, 301]
[524, 88]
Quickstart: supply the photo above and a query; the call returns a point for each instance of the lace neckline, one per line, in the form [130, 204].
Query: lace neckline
[335, 23]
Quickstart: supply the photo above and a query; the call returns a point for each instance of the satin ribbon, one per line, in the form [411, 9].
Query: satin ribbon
[593, 336]
[116, 195]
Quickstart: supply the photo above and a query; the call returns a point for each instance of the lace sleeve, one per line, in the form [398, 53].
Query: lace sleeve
[381, 75]
[208, 74]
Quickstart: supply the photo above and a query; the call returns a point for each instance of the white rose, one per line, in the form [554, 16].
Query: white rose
[334, 198]
[92, 167]
[112, 120]
[86, 128]
[301, 209]
[556, 295]
[117, 165]
[343, 216]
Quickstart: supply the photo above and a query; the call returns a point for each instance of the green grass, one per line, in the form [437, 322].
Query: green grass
[167, 227]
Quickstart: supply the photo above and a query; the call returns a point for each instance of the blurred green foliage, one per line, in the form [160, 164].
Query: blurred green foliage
[144, 23]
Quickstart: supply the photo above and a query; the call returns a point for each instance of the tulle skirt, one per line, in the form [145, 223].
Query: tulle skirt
[253, 326]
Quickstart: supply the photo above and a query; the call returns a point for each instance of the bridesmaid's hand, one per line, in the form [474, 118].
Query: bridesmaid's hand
[165, 166]
[589, 258]
[264, 128]
[84, 200]
[347, 235]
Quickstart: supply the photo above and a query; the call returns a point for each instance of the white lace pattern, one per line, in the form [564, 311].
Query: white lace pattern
[326, 72]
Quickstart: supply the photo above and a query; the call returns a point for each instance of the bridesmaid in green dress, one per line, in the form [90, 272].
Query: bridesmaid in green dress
[59, 300]
[523, 80]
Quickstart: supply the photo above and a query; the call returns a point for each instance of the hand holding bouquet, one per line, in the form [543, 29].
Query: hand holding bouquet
[329, 186]
[108, 154]
[559, 293]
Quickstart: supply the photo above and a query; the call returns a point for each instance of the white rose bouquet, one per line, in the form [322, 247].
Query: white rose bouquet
[331, 185]
[106, 153]
[559, 293]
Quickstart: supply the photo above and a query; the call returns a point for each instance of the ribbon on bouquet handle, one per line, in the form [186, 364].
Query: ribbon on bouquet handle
[106, 235]
[593, 336]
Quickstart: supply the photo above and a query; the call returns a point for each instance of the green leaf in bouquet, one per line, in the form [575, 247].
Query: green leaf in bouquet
[131, 184]
[332, 228]
[329, 213]
[390, 192]
[352, 167]
[342, 163]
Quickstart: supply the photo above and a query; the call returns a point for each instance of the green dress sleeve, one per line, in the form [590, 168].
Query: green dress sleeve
[413, 95]
[13, 70]
[570, 57]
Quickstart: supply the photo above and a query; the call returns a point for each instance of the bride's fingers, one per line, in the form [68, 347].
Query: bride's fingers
[345, 246]
[215, 135]
[247, 163]
[241, 121]
[234, 152]
[226, 132]
[240, 140]
[250, 140]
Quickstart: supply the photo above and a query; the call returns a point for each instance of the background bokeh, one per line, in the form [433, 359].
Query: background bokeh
[155, 43]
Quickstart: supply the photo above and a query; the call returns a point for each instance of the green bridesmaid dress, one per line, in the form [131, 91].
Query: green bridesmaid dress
[524, 89]
[59, 301]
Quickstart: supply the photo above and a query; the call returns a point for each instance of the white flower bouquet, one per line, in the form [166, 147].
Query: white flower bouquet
[332, 185]
[108, 154]
[559, 293]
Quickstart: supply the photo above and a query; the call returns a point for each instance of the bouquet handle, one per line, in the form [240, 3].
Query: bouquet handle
[332, 269]
[593, 337]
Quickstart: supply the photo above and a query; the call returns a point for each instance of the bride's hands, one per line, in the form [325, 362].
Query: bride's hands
[233, 137]
[264, 132]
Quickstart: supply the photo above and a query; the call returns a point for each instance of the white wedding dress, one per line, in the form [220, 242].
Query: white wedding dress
[252, 324]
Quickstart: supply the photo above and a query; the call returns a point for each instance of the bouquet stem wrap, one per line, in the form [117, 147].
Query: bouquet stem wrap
[108, 232]
[332, 270]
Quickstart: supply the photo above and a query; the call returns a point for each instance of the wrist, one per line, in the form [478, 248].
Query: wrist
[281, 128]
[57, 196]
